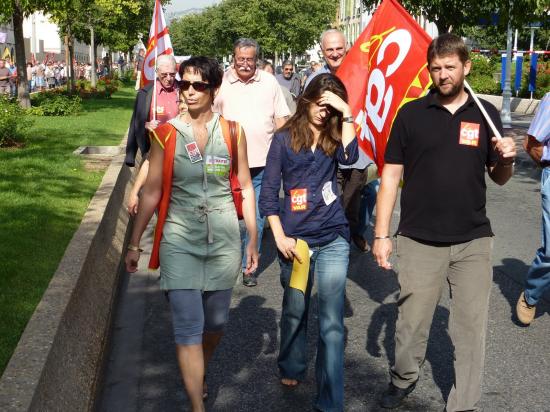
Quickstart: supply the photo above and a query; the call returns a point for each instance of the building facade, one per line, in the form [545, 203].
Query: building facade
[42, 41]
[352, 18]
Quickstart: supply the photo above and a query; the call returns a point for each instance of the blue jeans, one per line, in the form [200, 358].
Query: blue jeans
[260, 221]
[329, 264]
[538, 276]
[366, 207]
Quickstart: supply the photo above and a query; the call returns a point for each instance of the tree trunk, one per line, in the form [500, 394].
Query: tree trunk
[67, 63]
[443, 26]
[71, 62]
[92, 47]
[21, 60]
[95, 60]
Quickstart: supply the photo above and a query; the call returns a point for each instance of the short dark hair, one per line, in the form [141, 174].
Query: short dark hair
[287, 63]
[207, 67]
[447, 44]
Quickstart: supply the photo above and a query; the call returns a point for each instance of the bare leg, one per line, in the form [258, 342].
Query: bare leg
[210, 341]
[191, 363]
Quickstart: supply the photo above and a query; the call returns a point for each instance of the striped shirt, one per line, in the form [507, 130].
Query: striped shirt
[540, 126]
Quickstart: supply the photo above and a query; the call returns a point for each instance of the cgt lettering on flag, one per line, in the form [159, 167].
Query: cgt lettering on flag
[385, 68]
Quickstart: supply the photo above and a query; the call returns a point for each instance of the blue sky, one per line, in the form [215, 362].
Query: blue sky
[180, 5]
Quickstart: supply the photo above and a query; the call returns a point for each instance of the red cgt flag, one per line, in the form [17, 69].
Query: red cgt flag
[385, 68]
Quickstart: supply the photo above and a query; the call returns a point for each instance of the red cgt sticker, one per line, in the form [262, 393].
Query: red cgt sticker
[298, 200]
[469, 134]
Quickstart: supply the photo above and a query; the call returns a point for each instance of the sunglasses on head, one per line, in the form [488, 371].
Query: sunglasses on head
[198, 86]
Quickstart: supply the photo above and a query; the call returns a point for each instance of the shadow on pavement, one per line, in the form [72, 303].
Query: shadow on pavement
[511, 289]
[527, 170]
[268, 252]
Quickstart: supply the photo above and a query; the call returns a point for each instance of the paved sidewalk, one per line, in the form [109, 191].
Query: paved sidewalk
[520, 125]
[143, 375]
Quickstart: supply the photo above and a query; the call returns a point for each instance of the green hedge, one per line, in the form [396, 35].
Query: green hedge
[13, 122]
[485, 76]
[55, 103]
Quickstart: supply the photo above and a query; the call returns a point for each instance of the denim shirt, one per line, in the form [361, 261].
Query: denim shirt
[311, 209]
[540, 126]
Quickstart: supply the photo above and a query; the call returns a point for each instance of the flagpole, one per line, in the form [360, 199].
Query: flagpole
[496, 133]
[155, 87]
[155, 25]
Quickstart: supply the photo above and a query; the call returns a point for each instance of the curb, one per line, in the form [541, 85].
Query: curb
[59, 360]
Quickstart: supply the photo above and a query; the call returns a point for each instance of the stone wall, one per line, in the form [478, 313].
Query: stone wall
[517, 105]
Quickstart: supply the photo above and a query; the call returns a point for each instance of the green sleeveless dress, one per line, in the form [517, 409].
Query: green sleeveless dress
[201, 244]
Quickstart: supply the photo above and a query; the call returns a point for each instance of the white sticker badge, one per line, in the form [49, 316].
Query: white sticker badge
[328, 194]
[193, 152]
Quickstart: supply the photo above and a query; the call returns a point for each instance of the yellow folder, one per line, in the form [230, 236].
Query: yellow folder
[300, 271]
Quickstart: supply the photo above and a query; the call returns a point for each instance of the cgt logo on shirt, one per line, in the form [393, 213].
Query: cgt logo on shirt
[469, 134]
[298, 200]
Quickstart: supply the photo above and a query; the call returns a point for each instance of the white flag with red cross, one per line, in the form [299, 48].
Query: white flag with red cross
[159, 43]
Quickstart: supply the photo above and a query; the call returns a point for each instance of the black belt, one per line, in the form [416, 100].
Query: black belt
[545, 163]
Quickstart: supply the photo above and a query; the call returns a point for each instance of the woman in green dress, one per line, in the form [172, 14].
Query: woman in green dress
[197, 239]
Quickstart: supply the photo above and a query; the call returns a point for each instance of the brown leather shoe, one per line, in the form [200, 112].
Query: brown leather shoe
[360, 243]
[525, 311]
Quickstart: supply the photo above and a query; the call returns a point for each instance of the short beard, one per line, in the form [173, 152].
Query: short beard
[455, 90]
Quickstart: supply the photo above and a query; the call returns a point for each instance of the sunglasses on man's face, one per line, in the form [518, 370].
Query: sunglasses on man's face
[198, 86]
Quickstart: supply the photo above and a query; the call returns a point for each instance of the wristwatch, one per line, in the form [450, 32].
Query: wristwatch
[348, 119]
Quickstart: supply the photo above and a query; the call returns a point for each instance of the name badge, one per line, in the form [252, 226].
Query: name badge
[469, 134]
[217, 165]
[298, 200]
[193, 152]
[328, 194]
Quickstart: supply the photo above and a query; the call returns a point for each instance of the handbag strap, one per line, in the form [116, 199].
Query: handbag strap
[234, 147]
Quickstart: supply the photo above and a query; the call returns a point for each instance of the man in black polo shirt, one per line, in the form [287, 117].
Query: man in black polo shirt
[441, 145]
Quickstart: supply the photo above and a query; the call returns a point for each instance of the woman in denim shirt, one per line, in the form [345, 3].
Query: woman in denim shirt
[306, 153]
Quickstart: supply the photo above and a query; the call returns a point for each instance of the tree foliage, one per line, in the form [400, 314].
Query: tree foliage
[279, 27]
[117, 24]
[456, 14]
[17, 10]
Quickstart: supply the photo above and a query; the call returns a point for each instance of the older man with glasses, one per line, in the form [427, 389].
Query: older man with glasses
[149, 113]
[289, 79]
[253, 98]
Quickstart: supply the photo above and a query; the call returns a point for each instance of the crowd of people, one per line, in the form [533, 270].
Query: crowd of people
[8, 80]
[46, 75]
[212, 142]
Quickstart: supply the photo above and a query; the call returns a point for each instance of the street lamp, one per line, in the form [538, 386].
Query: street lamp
[505, 115]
